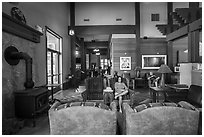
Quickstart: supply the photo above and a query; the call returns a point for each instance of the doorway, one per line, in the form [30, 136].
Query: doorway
[54, 59]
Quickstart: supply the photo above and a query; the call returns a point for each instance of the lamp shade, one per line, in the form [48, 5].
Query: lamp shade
[164, 69]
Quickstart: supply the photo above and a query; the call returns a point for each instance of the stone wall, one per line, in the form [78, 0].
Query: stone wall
[13, 78]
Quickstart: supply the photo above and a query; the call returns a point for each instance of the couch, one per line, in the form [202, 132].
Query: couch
[160, 119]
[82, 118]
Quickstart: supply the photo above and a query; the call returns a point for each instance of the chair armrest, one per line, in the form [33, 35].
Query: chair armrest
[126, 108]
[113, 106]
[54, 106]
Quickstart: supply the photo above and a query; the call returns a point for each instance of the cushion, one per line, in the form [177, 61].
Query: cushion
[93, 104]
[186, 105]
[149, 105]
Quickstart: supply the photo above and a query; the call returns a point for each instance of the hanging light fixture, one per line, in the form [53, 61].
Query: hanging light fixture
[96, 50]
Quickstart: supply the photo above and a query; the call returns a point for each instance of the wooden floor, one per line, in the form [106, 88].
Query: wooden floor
[42, 122]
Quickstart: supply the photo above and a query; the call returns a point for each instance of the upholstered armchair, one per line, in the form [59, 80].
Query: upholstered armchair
[162, 119]
[82, 118]
[94, 88]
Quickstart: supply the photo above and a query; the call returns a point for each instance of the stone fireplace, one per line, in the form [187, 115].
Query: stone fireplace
[14, 76]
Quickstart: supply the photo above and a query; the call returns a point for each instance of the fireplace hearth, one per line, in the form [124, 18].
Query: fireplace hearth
[30, 102]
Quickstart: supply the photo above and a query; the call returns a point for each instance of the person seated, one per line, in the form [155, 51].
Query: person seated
[153, 80]
[120, 90]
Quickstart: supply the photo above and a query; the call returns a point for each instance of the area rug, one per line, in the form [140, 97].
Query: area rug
[68, 96]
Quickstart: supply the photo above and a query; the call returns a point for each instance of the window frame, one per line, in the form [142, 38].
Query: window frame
[59, 57]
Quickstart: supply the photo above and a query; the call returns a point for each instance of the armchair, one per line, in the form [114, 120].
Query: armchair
[193, 95]
[94, 89]
[79, 118]
[154, 118]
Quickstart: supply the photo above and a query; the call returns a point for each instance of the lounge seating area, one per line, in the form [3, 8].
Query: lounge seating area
[140, 116]
[102, 68]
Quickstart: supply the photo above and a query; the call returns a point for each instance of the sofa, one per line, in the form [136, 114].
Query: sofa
[82, 118]
[160, 119]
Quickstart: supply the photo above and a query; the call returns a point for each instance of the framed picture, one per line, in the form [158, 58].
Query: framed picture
[153, 61]
[125, 63]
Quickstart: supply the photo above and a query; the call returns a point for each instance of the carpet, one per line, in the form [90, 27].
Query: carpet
[68, 95]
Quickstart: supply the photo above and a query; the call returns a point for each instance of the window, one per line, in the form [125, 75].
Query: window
[54, 57]
[155, 17]
[104, 63]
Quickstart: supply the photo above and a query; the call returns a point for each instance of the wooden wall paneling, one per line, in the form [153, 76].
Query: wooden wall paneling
[119, 48]
[153, 46]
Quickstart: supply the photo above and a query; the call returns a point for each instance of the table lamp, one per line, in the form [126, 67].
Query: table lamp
[164, 69]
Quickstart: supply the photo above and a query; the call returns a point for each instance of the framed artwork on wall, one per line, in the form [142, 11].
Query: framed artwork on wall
[125, 63]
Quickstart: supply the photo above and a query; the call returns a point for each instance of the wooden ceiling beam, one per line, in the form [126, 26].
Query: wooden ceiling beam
[98, 44]
[104, 29]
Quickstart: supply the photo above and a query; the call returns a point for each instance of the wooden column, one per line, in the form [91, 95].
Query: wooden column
[169, 17]
[73, 47]
[169, 48]
[170, 54]
[137, 26]
[193, 46]
[83, 55]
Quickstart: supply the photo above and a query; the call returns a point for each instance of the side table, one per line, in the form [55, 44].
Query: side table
[159, 94]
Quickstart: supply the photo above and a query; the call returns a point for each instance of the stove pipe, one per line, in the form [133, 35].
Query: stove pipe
[13, 57]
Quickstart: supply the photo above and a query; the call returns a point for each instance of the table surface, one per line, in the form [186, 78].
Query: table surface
[177, 86]
[157, 89]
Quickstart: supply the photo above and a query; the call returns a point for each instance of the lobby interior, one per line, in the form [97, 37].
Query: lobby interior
[61, 52]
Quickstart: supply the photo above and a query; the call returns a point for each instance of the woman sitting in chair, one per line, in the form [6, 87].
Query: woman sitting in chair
[120, 90]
